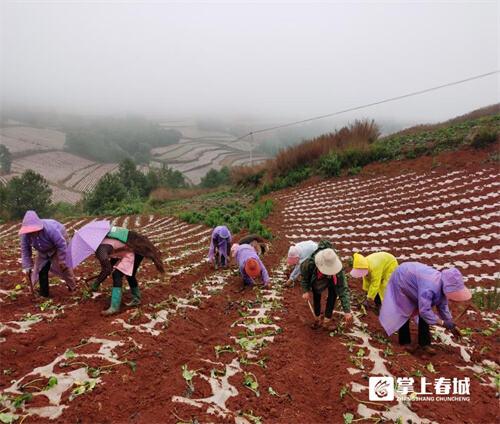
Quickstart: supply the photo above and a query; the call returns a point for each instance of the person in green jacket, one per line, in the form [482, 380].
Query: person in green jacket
[323, 270]
[376, 270]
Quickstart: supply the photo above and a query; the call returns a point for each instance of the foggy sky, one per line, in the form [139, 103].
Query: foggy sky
[280, 60]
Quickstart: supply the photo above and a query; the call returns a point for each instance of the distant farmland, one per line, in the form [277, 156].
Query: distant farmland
[70, 175]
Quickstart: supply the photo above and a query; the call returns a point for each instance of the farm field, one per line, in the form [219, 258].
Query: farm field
[199, 151]
[70, 175]
[199, 350]
[22, 139]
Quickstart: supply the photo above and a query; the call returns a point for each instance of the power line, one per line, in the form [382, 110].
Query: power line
[351, 109]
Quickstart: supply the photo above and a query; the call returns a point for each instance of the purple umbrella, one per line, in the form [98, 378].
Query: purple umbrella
[86, 240]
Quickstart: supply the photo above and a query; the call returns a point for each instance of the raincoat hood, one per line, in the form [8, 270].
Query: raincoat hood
[454, 286]
[31, 223]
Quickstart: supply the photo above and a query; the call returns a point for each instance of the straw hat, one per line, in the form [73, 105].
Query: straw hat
[328, 262]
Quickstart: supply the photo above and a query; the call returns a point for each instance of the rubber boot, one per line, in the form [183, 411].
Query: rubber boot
[116, 300]
[95, 286]
[136, 297]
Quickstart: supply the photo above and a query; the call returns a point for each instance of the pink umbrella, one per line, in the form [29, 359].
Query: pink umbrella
[86, 240]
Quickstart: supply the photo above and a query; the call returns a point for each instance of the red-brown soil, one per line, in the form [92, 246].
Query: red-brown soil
[307, 368]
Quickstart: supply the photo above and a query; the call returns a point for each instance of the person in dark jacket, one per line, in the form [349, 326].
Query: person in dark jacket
[256, 241]
[123, 259]
[323, 270]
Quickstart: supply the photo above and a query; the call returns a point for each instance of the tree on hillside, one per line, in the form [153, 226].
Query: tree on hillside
[29, 191]
[5, 159]
[165, 177]
[133, 179]
[107, 195]
[215, 178]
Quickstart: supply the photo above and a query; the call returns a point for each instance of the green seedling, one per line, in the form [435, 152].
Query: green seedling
[272, 392]
[219, 349]
[188, 376]
[250, 344]
[484, 349]
[466, 331]
[430, 368]
[344, 391]
[21, 400]
[253, 418]
[81, 388]
[29, 317]
[86, 294]
[348, 418]
[363, 311]
[360, 353]
[251, 383]
[8, 418]
[13, 293]
[69, 354]
[417, 373]
[388, 352]
[357, 362]
[51, 383]
[380, 338]
[261, 362]
[350, 346]
[45, 306]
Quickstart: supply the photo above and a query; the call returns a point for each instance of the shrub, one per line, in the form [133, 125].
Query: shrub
[235, 215]
[247, 175]
[359, 135]
[484, 138]
[355, 170]
[330, 165]
[214, 178]
[107, 195]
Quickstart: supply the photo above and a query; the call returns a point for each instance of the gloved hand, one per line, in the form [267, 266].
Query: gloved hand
[63, 267]
[29, 282]
[456, 332]
[449, 325]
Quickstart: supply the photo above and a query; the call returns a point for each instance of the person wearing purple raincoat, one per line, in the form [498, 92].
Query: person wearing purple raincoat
[413, 290]
[220, 246]
[250, 265]
[50, 239]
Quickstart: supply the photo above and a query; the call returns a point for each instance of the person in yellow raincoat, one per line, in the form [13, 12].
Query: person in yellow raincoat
[375, 269]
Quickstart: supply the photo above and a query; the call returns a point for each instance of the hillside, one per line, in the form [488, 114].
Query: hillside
[200, 350]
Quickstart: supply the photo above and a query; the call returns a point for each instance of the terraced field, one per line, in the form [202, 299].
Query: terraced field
[200, 150]
[200, 350]
[70, 176]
